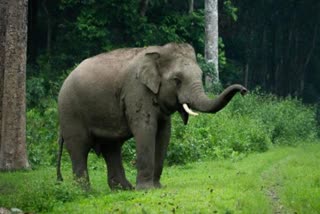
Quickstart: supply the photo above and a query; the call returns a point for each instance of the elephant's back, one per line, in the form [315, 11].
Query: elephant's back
[114, 62]
[92, 91]
[103, 70]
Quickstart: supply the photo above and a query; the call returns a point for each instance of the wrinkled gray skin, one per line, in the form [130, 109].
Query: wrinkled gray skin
[128, 93]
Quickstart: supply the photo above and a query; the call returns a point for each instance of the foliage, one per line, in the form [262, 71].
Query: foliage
[207, 68]
[249, 124]
[42, 134]
[83, 28]
[230, 9]
[222, 186]
[65, 32]
[286, 120]
[35, 91]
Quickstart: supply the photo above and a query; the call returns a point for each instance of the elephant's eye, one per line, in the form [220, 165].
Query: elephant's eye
[177, 81]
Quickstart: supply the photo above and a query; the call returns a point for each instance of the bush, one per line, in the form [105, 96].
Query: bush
[286, 120]
[42, 134]
[248, 124]
[36, 91]
[217, 136]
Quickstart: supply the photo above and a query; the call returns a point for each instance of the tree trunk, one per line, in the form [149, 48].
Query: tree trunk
[191, 3]
[308, 58]
[3, 6]
[32, 31]
[143, 7]
[13, 43]
[49, 26]
[246, 75]
[211, 35]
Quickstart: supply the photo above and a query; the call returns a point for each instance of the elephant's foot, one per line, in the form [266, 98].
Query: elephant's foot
[145, 185]
[83, 180]
[126, 185]
[84, 183]
[157, 184]
[116, 185]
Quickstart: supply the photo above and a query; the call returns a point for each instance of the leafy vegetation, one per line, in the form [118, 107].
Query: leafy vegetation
[271, 44]
[253, 123]
[282, 180]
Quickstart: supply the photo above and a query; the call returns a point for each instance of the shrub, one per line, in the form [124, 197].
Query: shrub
[42, 134]
[217, 136]
[248, 124]
[36, 90]
[287, 120]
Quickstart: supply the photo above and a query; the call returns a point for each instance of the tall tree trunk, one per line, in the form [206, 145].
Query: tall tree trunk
[246, 75]
[264, 64]
[13, 43]
[49, 26]
[3, 7]
[191, 3]
[308, 58]
[143, 7]
[32, 30]
[212, 35]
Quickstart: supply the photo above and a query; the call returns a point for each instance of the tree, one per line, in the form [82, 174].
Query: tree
[211, 37]
[13, 40]
[143, 7]
[191, 6]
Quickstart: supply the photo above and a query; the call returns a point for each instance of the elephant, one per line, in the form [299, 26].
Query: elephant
[131, 92]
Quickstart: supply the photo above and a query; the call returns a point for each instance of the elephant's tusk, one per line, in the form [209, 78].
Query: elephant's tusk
[188, 110]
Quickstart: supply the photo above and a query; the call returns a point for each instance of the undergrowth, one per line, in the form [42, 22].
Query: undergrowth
[252, 123]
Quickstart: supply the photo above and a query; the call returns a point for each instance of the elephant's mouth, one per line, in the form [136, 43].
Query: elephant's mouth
[185, 111]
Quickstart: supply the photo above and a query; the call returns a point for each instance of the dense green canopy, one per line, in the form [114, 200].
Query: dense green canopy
[267, 43]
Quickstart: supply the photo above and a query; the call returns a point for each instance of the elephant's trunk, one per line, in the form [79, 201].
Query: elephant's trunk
[203, 103]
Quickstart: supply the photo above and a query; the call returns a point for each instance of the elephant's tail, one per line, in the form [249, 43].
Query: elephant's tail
[60, 142]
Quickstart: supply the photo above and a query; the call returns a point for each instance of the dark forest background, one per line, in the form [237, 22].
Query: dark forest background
[270, 44]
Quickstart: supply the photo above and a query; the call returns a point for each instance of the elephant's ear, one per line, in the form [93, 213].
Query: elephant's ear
[148, 73]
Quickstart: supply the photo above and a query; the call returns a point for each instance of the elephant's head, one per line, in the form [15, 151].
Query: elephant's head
[172, 73]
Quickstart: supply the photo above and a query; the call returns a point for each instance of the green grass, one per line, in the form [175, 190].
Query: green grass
[283, 179]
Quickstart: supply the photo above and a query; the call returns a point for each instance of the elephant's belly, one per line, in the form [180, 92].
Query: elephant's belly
[114, 128]
[113, 135]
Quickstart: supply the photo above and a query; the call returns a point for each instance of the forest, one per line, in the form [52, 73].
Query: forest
[260, 154]
[273, 45]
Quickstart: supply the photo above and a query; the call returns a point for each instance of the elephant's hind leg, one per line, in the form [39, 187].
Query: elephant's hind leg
[116, 175]
[78, 146]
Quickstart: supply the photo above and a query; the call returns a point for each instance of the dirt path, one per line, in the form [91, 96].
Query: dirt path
[271, 185]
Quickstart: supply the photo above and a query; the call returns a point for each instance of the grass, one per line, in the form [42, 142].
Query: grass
[282, 180]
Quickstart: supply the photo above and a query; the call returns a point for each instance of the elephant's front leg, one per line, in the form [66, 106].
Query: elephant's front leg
[162, 142]
[145, 135]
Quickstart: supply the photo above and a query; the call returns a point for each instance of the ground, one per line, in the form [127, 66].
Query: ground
[282, 180]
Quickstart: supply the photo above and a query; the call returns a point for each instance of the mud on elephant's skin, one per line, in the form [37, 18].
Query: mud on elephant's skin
[126, 93]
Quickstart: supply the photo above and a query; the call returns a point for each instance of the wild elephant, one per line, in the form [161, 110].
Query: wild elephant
[126, 93]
